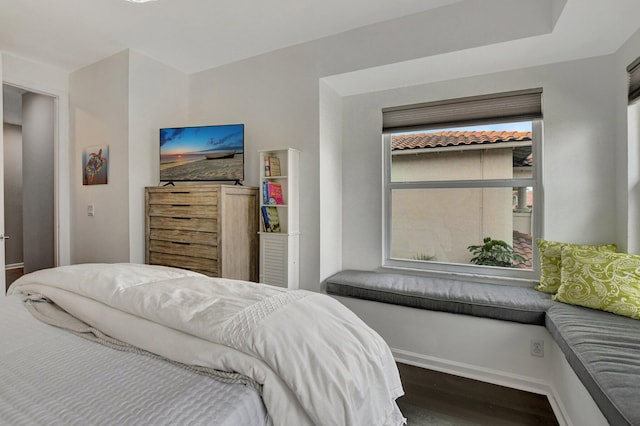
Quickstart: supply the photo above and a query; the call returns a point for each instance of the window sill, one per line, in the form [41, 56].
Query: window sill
[463, 276]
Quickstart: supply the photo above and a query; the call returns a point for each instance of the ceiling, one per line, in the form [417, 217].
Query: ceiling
[190, 35]
[194, 35]
[583, 29]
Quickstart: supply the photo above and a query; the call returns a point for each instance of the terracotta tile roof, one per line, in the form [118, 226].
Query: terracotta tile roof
[447, 139]
[522, 246]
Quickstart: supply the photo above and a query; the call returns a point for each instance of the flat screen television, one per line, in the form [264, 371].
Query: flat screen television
[202, 153]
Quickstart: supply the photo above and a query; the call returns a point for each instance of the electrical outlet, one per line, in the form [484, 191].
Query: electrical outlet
[537, 347]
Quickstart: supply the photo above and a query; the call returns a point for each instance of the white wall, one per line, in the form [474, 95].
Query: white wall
[99, 109]
[579, 151]
[330, 168]
[276, 97]
[157, 98]
[579, 179]
[121, 101]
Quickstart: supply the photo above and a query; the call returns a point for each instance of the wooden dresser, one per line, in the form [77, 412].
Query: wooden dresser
[212, 229]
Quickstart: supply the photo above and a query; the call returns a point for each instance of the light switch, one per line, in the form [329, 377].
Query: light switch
[90, 210]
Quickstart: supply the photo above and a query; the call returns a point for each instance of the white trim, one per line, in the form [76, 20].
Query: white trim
[474, 275]
[514, 276]
[477, 183]
[14, 266]
[61, 164]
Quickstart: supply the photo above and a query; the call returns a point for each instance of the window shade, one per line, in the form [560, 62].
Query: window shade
[634, 81]
[507, 106]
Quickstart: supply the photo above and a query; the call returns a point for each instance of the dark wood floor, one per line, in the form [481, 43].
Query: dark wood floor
[436, 398]
[13, 274]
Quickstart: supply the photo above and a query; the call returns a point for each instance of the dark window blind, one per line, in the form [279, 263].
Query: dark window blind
[634, 81]
[499, 107]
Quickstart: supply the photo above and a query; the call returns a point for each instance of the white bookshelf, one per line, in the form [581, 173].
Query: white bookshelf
[279, 251]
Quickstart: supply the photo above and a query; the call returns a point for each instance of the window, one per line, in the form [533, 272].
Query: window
[464, 195]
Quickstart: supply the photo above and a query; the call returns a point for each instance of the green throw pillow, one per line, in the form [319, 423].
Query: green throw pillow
[550, 254]
[601, 280]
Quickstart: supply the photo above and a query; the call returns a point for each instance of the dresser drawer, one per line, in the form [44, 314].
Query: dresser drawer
[193, 197]
[185, 226]
[184, 249]
[207, 266]
[183, 210]
[183, 223]
[179, 236]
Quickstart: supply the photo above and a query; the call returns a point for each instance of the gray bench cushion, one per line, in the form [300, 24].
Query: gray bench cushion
[604, 351]
[519, 304]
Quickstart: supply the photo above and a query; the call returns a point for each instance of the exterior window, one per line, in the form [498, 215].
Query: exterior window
[464, 199]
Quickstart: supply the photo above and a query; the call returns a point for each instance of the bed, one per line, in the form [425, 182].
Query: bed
[140, 344]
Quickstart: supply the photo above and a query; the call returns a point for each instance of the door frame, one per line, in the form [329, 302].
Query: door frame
[61, 167]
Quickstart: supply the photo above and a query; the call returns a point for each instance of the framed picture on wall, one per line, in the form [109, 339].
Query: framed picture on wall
[95, 165]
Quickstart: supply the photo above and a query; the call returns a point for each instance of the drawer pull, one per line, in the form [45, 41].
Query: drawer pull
[180, 205]
[181, 192]
[181, 218]
[181, 243]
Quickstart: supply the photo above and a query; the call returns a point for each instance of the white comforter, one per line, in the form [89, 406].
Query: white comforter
[318, 362]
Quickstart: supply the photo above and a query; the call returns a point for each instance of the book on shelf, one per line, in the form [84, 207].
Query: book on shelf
[265, 192]
[274, 191]
[264, 226]
[270, 218]
[265, 220]
[267, 166]
[274, 166]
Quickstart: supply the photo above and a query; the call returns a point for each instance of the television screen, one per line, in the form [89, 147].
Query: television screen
[202, 153]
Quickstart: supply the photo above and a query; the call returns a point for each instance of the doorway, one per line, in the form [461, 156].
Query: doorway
[28, 171]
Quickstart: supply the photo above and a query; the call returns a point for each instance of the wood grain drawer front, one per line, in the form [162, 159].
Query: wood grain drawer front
[208, 266]
[184, 249]
[183, 210]
[178, 236]
[204, 198]
[183, 223]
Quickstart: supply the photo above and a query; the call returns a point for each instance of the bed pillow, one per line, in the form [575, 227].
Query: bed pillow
[550, 255]
[601, 280]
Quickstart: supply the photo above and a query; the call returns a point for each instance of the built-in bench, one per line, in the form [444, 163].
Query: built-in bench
[509, 303]
[602, 348]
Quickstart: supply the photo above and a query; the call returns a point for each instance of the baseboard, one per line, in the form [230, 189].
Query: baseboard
[13, 266]
[496, 377]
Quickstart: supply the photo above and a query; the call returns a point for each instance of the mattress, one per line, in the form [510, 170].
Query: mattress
[49, 376]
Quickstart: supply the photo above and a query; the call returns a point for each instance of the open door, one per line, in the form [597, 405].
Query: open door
[27, 183]
[3, 283]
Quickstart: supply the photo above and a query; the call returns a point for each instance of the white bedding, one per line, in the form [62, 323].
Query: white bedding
[318, 362]
[49, 376]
